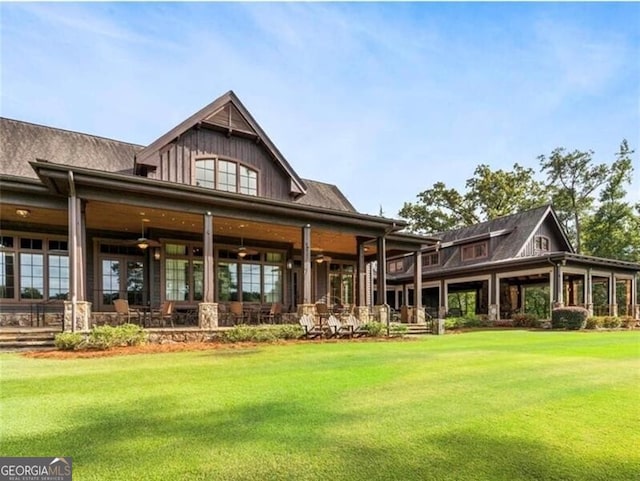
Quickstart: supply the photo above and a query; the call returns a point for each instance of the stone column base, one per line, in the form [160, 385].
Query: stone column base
[307, 309]
[83, 316]
[208, 315]
[636, 312]
[442, 312]
[382, 313]
[589, 308]
[493, 312]
[362, 314]
[557, 305]
[614, 310]
[420, 316]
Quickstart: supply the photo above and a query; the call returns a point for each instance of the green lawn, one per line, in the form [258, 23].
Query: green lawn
[490, 405]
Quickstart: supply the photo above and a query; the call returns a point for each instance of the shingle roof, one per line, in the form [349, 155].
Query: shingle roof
[320, 194]
[22, 142]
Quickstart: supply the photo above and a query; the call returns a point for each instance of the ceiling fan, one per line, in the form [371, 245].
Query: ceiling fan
[142, 242]
[243, 251]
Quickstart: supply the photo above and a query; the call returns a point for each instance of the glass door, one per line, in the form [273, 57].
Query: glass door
[121, 278]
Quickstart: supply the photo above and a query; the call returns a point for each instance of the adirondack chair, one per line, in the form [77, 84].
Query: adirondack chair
[311, 331]
[335, 327]
[354, 326]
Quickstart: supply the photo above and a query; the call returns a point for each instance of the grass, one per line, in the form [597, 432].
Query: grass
[491, 405]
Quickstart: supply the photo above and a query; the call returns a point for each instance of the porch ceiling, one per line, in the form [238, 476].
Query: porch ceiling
[123, 218]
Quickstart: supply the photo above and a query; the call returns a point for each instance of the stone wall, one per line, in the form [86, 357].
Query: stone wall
[167, 336]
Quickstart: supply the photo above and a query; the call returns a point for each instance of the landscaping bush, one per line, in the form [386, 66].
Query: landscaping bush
[611, 322]
[374, 328]
[267, 333]
[628, 322]
[463, 322]
[101, 337]
[69, 341]
[130, 335]
[524, 320]
[593, 322]
[569, 318]
[398, 329]
[106, 337]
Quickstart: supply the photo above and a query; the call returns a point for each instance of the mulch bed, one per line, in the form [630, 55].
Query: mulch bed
[180, 347]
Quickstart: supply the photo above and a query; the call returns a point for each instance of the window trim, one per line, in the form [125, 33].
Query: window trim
[430, 256]
[542, 239]
[17, 250]
[216, 173]
[468, 252]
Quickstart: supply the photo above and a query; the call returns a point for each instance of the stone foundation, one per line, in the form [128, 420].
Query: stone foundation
[362, 314]
[208, 315]
[382, 313]
[168, 336]
[83, 316]
[308, 309]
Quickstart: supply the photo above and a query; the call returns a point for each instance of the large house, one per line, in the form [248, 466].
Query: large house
[211, 215]
[208, 214]
[521, 263]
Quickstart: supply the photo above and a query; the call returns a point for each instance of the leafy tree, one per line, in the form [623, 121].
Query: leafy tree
[489, 194]
[614, 229]
[573, 179]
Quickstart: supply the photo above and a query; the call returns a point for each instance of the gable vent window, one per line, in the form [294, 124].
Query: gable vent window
[226, 175]
[475, 251]
[541, 243]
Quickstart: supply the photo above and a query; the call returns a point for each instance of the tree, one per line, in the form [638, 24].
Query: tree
[614, 229]
[489, 194]
[573, 180]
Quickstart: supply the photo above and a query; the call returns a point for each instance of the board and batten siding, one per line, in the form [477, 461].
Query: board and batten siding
[177, 160]
[549, 230]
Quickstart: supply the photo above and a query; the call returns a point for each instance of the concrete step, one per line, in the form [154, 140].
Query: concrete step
[26, 338]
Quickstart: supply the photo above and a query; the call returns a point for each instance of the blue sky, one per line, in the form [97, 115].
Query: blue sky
[381, 99]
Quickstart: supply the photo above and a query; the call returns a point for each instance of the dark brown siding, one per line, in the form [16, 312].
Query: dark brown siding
[176, 162]
[547, 229]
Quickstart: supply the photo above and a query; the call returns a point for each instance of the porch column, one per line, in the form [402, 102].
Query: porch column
[361, 275]
[382, 270]
[635, 309]
[307, 306]
[613, 306]
[588, 291]
[417, 287]
[559, 286]
[442, 311]
[208, 308]
[77, 311]
[494, 295]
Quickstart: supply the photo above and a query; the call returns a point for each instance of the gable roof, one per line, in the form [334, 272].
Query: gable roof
[514, 231]
[22, 142]
[226, 111]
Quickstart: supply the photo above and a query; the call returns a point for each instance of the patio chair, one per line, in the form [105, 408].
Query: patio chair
[124, 311]
[322, 311]
[162, 315]
[311, 331]
[236, 312]
[274, 314]
[354, 326]
[335, 328]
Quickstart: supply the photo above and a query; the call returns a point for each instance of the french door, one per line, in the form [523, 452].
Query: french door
[121, 278]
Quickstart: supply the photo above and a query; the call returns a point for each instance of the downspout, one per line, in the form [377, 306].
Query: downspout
[74, 243]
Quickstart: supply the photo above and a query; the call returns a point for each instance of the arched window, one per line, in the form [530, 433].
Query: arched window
[226, 175]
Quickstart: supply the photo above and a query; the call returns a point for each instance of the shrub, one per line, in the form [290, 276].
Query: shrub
[593, 322]
[463, 322]
[266, 333]
[69, 341]
[101, 337]
[398, 329]
[628, 322]
[129, 335]
[374, 328]
[569, 318]
[524, 320]
[611, 322]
